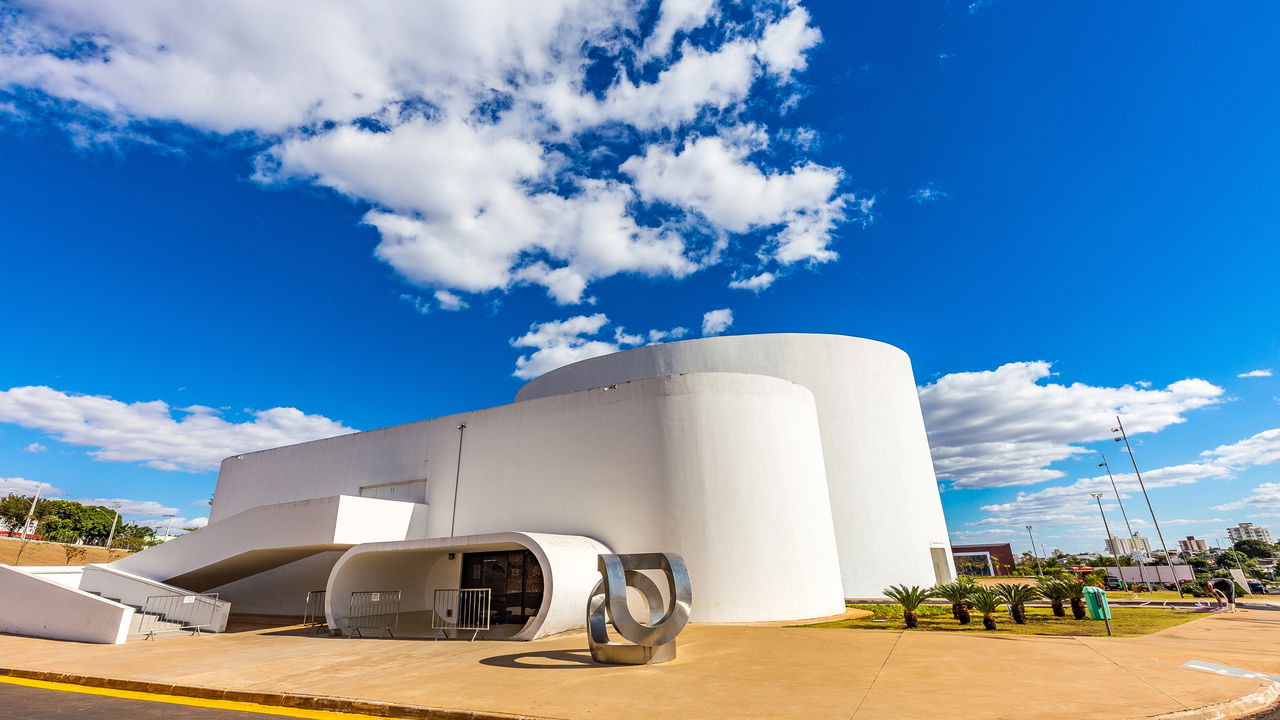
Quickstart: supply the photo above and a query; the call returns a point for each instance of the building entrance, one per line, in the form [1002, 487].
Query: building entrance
[514, 579]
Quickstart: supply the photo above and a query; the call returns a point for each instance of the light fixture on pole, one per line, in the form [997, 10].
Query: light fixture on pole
[1142, 569]
[168, 526]
[1168, 559]
[1119, 574]
[1039, 568]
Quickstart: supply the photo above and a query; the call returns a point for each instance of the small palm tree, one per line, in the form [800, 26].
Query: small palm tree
[1075, 593]
[956, 593]
[1055, 591]
[1017, 596]
[987, 603]
[910, 598]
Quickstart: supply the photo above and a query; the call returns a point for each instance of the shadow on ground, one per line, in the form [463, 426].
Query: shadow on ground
[545, 660]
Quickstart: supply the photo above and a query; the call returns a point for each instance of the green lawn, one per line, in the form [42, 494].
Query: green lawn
[1126, 622]
[1155, 595]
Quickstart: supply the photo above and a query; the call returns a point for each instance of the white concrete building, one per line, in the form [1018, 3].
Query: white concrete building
[790, 471]
[1248, 531]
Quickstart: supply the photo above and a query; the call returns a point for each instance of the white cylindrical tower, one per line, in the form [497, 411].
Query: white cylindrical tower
[886, 509]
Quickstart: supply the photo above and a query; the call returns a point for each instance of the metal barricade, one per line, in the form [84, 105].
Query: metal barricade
[458, 609]
[161, 613]
[313, 616]
[373, 610]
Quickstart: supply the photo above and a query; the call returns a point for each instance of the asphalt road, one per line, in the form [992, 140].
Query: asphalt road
[18, 702]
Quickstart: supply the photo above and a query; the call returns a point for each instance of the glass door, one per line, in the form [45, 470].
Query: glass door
[514, 579]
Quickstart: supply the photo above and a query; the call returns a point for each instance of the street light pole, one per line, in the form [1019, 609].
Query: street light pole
[112, 535]
[26, 522]
[1119, 572]
[1142, 569]
[1233, 551]
[1039, 568]
[1168, 559]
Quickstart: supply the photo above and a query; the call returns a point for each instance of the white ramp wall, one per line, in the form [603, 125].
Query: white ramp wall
[269, 536]
[32, 605]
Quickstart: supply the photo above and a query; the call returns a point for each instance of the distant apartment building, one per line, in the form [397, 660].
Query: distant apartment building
[1129, 545]
[1248, 531]
[1192, 545]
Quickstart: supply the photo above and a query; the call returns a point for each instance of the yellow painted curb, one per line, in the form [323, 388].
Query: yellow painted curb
[177, 700]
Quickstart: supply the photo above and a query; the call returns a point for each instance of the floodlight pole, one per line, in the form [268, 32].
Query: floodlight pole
[457, 477]
[26, 522]
[112, 535]
[1039, 568]
[1119, 572]
[1231, 548]
[1168, 559]
[1142, 573]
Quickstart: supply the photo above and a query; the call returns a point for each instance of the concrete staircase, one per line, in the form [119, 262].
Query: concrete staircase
[146, 625]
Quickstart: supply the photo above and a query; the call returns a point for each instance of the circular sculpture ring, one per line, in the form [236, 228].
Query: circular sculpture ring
[654, 640]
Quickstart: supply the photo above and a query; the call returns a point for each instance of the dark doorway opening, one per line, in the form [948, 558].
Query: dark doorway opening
[514, 578]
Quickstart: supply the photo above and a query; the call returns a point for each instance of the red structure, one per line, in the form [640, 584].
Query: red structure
[983, 559]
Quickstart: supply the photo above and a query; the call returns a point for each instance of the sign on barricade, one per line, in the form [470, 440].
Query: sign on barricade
[175, 612]
[373, 610]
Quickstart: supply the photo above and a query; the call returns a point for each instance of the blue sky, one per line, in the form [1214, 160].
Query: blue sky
[220, 236]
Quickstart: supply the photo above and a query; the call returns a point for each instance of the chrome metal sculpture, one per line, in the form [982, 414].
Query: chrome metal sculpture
[654, 640]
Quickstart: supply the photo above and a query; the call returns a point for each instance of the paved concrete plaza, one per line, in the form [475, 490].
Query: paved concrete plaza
[722, 671]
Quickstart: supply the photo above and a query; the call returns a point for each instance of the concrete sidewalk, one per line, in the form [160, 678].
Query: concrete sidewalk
[722, 672]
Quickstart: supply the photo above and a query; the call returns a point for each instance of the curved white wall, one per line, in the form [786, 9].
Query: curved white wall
[419, 567]
[724, 468]
[887, 511]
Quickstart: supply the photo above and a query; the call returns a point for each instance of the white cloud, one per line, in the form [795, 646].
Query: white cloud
[928, 193]
[755, 283]
[35, 447]
[715, 322]
[785, 44]
[417, 303]
[1265, 372]
[1005, 426]
[23, 486]
[145, 508]
[561, 342]
[713, 178]
[1266, 495]
[192, 439]
[464, 127]
[1260, 449]
[1070, 505]
[673, 17]
[1183, 521]
[976, 536]
[176, 526]
[449, 301]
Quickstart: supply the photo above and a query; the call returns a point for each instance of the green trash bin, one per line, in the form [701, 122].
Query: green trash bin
[1095, 600]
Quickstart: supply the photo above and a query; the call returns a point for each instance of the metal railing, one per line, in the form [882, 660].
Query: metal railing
[313, 616]
[176, 612]
[458, 609]
[373, 610]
